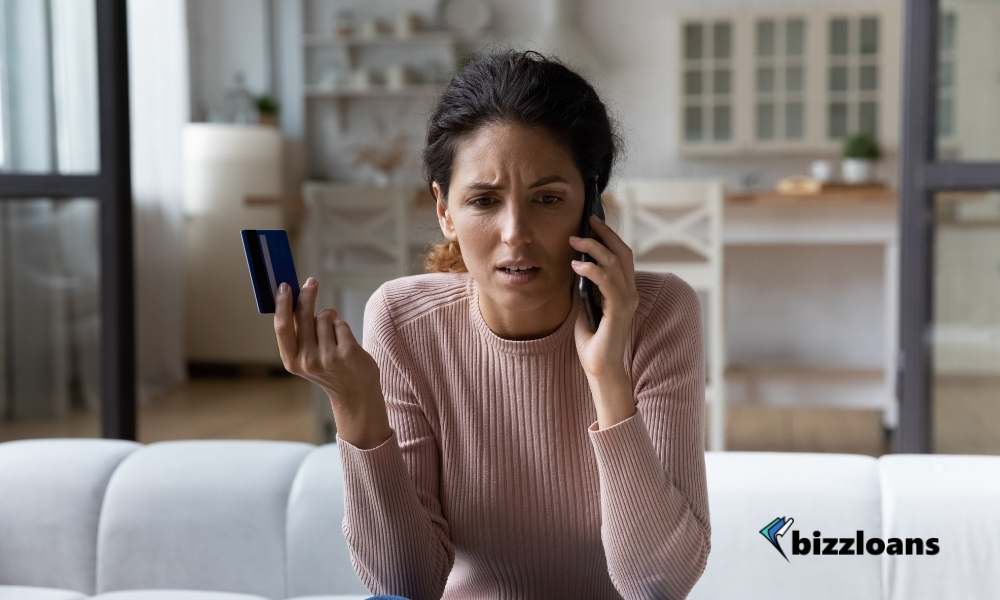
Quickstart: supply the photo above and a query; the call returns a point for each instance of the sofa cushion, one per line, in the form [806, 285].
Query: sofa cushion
[319, 561]
[173, 595]
[335, 597]
[835, 494]
[15, 592]
[199, 515]
[50, 507]
[955, 498]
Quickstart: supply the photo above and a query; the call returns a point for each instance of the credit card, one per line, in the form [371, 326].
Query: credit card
[269, 258]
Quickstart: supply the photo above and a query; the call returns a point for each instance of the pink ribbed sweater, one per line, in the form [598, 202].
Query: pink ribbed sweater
[496, 481]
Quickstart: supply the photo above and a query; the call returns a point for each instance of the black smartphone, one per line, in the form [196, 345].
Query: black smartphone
[589, 294]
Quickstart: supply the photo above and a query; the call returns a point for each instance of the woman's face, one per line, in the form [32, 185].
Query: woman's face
[515, 195]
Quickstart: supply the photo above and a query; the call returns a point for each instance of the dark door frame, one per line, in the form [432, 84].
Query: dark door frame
[112, 188]
[921, 177]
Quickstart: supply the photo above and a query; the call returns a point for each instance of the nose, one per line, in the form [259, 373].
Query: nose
[516, 225]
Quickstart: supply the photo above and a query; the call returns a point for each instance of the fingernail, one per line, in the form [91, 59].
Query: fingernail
[283, 288]
[309, 281]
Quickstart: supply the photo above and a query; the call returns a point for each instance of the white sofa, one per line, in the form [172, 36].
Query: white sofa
[238, 520]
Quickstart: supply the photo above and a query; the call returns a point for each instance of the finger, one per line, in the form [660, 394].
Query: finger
[284, 328]
[305, 318]
[345, 337]
[613, 292]
[613, 241]
[325, 336]
[595, 273]
[595, 249]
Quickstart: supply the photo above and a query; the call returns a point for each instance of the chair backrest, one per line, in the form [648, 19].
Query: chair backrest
[358, 229]
[673, 225]
[356, 238]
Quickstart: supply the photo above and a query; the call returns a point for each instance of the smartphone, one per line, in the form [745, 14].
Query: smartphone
[589, 294]
[269, 258]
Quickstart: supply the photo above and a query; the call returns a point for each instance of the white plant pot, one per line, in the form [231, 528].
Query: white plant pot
[855, 170]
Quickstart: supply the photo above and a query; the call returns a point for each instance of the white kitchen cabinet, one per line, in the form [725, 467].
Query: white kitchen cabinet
[784, 82]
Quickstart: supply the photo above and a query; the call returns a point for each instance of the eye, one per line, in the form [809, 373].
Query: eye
[476, 201]
[549, 200]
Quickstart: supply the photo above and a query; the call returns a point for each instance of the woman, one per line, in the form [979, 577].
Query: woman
[493, 445]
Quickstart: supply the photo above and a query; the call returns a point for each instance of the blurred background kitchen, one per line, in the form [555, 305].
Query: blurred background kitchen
[764, 164]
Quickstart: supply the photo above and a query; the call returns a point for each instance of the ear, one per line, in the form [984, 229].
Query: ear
[443, 214]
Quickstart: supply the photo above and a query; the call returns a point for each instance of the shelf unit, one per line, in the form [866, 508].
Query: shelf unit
[355, 53]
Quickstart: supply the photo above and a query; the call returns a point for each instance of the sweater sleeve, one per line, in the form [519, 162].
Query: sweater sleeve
[651, 466]
[398, 538]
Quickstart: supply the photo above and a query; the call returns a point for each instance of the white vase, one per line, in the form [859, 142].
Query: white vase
[856, 170]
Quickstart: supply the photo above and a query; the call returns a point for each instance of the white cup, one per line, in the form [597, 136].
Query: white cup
[822, 170]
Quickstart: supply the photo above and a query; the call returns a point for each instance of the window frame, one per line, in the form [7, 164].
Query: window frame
[111, 187]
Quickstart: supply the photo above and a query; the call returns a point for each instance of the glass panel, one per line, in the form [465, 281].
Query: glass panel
[868, 77]
[946, 31]
[869, 36]
[48, 82]
[838, 37]
[969, 76]
[838, 79]
[692, 123]
[721, 81]
[946, 125]
[692, 83]
[765, 38]
[793, 79]
[765, 121]
[721, 117]
[722, 40]
[795, 37]
[837, 119]
[945, 74]
[692, 41]
[794, 120]
[765, 79]
[50, 319]
[965, 333]
[868, 117]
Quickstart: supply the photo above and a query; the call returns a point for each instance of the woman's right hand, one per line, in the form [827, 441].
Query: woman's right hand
[322, 349]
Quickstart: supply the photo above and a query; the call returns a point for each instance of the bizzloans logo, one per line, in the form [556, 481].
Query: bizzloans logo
[856, 546]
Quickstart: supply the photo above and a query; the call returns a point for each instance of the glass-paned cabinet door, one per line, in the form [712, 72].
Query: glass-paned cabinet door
[853, 75]
[707, 82]
[779, 112]
[946, 77]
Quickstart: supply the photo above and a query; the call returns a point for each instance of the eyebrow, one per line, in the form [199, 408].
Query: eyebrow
[485, 185]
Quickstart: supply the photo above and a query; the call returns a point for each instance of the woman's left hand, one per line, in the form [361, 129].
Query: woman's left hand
[602, 353]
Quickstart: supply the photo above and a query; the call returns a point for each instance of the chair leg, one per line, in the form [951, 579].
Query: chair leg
[717, 369]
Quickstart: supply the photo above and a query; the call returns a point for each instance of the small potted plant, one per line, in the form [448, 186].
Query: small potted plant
[861, 152]
[267, 110]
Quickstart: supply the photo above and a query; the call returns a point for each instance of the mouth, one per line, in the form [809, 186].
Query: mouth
[518, 274]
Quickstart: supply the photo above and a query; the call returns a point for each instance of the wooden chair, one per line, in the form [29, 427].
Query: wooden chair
[355, 237]
[675, 226]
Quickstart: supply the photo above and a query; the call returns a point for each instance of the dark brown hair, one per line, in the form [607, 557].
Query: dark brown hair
[524, 87]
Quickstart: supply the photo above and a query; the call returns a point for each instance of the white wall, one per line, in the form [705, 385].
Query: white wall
[227, 36]
[636, 41]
